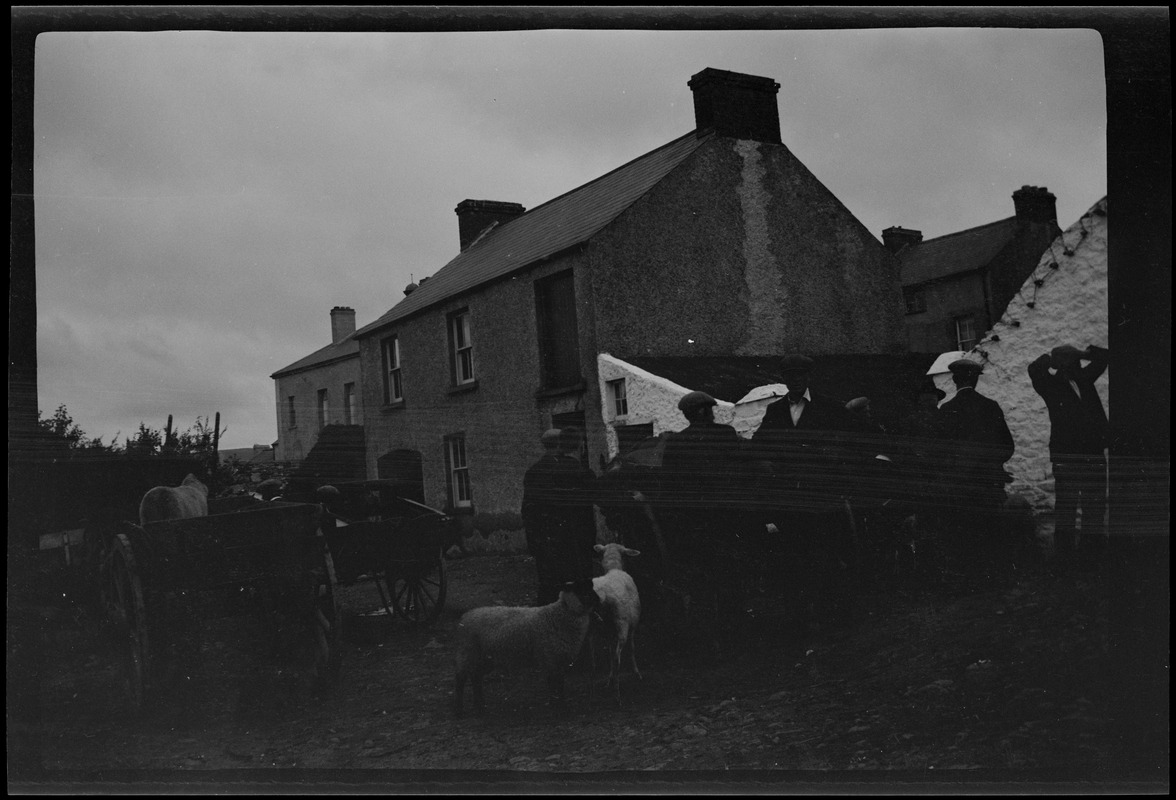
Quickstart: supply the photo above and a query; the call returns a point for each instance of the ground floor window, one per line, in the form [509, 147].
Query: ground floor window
[458, 470]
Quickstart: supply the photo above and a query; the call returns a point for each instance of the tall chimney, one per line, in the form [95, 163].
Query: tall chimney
[475, 216]
[736, 105]
[1035, 204]
[342, 323]
[896, 238]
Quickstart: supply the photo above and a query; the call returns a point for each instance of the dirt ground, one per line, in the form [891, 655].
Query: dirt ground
[1006, 682]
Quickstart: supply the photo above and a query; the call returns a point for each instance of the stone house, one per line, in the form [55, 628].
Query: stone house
[1063, 301]
[957, 286]
[719, 243]
[318, 390]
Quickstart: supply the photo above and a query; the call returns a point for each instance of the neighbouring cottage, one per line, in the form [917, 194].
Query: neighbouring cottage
[318, 390]
[957, 286]
[717, 244]
[1064, 301]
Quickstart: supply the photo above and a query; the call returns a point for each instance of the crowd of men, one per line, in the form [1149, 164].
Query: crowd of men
[817, 470]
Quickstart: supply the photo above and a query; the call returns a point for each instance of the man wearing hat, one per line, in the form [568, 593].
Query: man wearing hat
[804, 436]
[979, 444]
[1077, 441]
[557, 513]
[696, 484]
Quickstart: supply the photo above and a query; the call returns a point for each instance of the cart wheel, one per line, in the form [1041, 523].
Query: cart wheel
[124, 591]
[418, 590]
[324, 624]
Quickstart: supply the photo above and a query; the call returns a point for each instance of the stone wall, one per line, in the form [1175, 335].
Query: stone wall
[1064, 301]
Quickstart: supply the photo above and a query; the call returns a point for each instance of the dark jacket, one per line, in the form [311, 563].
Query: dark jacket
[698, 464]
[812, 460]
[1078, 423]
[978, 438]
[557, 504]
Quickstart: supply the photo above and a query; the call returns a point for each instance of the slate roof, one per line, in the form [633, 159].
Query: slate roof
[338, 351]
[956, 252]
[568, 220]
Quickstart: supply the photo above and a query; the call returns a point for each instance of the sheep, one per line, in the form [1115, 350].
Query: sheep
[621, 605]
[189, 499]
[549, 636]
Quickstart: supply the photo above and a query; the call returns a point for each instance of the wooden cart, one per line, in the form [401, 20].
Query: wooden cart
[259, 556]
[376, 534]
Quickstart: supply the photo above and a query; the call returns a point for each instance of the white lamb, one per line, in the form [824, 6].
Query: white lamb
[620, 607]
[549, 637]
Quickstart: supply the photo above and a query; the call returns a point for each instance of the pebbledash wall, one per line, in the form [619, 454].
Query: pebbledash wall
[651, 399]
[1064, 301]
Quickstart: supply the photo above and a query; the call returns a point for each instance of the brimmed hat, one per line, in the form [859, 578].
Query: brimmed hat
[1066, 352]
[796, 363]
[966, 366]
[696, 400]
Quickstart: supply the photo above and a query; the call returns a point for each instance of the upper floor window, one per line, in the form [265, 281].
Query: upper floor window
[915, 299]
[461, 347]
[291, 417]
[965, 328]
[323, 410]
[393, 381]
[458, 471]
[350, 411]
[619, 399]
[555, 319]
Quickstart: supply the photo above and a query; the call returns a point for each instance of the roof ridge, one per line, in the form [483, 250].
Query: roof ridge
[965, 230]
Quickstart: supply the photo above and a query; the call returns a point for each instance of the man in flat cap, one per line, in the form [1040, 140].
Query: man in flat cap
[696, 485]
[979, 443]
[557, 513]
[1077, 444]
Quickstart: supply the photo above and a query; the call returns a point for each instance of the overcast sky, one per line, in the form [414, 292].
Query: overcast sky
[203, 199]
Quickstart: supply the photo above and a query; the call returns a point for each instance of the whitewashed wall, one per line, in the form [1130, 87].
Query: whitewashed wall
[652, 398]
[1068, 307]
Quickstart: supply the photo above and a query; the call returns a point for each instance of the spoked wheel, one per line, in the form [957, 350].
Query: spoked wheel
[123, 593]
[418, 588]
[324, 623]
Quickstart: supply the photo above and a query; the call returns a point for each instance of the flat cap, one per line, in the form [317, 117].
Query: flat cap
[796, 363]
[550, 436]
[966, 366]
[695, 399]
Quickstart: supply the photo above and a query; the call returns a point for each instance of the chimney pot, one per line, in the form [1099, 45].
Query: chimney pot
[475, 216]
[342, 323]
[896, 238]
[737, 105]
[1035, 204]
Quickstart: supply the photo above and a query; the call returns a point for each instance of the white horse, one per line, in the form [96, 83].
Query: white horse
[189, 499]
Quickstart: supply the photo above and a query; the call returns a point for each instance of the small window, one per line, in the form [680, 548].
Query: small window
[915, 299]
[350, 412]
[291, 417]
[965, 333]
[459, 473]
[393, 381]
[620, 401]
[461, 348]
[323, 411]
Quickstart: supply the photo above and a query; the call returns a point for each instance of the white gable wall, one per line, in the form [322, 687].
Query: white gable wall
[651, 398]
[1069, 307]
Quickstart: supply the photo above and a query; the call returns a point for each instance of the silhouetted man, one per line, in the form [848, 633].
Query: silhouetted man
[1077, 443]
